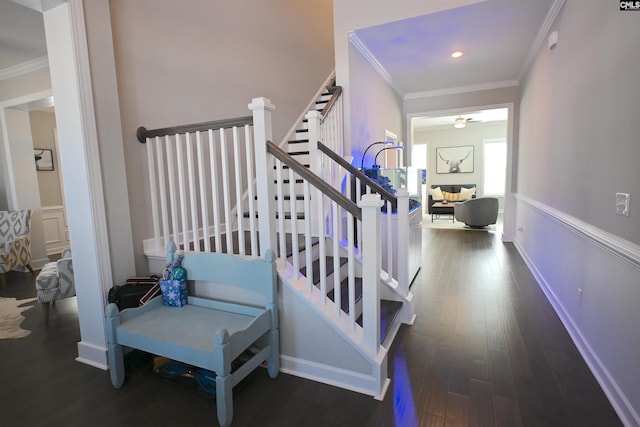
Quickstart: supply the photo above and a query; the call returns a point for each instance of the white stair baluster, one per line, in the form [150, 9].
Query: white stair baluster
[225, 192]
[184, 209]
[250, 189]
[213, 154]
[204, 204]
[170, 148]
[162, 190]
[238, 174]
[193, 194]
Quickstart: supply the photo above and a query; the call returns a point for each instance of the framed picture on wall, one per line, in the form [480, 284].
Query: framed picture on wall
[454, 159]
[44, 159]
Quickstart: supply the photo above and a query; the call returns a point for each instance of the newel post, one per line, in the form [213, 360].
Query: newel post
[371, 260]
[402, 241]
[263, 132]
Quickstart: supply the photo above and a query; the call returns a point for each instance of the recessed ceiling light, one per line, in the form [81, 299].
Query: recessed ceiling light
[456, 54]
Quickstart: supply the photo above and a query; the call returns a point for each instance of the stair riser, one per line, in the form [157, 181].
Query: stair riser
[299, 204]
[302, 158]
[302, 256]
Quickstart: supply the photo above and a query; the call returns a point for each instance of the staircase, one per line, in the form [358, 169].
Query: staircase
[340, 311]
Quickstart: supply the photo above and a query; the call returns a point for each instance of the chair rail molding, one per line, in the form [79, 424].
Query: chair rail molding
[624, 249]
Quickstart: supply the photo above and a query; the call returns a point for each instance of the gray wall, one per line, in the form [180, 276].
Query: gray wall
[375, 107]
[180, 63]
[579, 137]
[472, 135]
[578, 147]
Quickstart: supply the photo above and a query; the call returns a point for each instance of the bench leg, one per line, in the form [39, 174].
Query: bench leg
[273, 362]
[224, 400]
[116, 365]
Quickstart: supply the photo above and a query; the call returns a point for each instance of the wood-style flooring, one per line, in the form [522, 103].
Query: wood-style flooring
[486, 349]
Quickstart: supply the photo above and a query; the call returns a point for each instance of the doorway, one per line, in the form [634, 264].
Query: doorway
[467, 128]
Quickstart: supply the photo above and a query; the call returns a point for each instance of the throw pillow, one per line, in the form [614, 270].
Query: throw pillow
[466, 193]
[436, 193]
[452, 197]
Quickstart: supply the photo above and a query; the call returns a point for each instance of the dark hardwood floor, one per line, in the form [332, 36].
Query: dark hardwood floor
[486, 349]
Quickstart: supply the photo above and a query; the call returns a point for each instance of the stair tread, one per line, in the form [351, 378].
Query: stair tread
[286, 181]
[315, 268]
[388, 312]
[344, 293]
[287, 167]
[287, 215]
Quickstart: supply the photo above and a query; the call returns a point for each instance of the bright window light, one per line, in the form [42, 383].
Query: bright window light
[495, 166]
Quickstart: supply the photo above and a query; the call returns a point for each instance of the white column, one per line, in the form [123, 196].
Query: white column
[262, 129]
[370, 205]
[82, 175]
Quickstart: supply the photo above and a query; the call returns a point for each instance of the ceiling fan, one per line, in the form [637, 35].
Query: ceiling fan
[461, 122]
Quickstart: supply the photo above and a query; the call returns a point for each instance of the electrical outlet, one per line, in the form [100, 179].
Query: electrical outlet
[622, 204]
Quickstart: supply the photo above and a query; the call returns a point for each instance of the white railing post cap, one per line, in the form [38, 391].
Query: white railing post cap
[402, 192]
[313, 114]
[261, 103]
[370, 200]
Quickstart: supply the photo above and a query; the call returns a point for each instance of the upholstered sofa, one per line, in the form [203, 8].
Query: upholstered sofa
[451, 193]
[477, 213]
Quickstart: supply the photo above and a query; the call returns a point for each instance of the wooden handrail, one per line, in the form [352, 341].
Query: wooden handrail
[143, 133]
[314, 180]
[335, 94]
[384, 193]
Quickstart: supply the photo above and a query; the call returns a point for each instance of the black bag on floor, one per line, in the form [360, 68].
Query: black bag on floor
[130, 294]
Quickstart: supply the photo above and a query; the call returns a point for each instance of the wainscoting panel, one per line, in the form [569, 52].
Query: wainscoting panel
[56, 230]
[592, 280]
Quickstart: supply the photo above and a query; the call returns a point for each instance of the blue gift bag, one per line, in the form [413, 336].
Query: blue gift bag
[174, 292]
[174, 284]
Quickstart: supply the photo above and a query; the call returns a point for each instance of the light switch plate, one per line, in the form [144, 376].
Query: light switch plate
[622, 204]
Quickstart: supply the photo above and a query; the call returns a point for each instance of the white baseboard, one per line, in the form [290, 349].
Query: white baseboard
[37, 264]
[331, 375]
[92, 355]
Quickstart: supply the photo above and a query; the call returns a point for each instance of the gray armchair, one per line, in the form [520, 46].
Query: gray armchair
[477, 213]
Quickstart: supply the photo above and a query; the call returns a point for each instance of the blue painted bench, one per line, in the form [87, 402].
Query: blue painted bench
[207, 333]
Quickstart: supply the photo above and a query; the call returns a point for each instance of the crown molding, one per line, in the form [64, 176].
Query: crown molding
[366, 53]
[553, 13]
[24, 68]
[461, 89]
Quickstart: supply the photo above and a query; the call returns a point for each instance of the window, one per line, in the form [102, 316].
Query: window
[495, 166]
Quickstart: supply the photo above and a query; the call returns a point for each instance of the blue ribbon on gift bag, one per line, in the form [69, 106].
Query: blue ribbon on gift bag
[174, 284]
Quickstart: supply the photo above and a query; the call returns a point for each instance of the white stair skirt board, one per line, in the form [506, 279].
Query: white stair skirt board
[334, 376]
[313, 346]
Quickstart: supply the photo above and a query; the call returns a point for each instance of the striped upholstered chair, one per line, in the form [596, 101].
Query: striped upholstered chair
[15, 242]
[55, 281]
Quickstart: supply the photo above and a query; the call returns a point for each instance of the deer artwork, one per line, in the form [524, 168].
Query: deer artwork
[454, 165]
